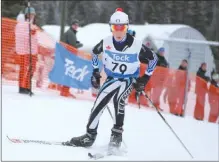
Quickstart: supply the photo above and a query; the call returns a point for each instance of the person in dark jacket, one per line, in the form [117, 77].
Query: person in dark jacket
[183, 65]
[201, 89]
[70, 38]
[201, 72]
[70, 35]
[161, 59]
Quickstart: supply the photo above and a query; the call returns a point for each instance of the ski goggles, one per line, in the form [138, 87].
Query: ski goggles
[119, 27]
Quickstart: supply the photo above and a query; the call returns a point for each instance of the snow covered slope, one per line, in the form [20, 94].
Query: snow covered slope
[46, 116]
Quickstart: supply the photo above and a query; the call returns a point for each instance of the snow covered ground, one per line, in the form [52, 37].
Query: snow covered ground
[47, 116]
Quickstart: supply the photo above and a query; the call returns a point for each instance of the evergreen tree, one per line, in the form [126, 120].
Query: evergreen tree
[11, 9]
[150, 12]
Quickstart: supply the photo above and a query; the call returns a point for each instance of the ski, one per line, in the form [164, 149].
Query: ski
[97, 156]
[24, 141]
[108, 152]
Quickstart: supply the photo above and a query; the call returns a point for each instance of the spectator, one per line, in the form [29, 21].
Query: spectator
[201, 89]
[162, 62]
[214, 98]
[181, 78]
[70, 35]
[183, 65]
[70, 39]
[22, 48]
[160, 75]
[201, 72]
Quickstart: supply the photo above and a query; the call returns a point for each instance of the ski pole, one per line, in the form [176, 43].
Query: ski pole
[167, 123]
[30, 46]
[113, 120]
[138, 99]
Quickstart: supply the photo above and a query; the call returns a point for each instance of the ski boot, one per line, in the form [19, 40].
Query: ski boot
[116, 138]
[23, 90]
[86, 140]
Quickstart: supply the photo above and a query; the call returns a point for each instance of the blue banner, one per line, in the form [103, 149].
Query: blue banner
[70, 70]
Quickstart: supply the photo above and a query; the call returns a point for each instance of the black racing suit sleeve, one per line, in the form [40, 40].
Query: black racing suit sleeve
[147, 56]
[98, 49]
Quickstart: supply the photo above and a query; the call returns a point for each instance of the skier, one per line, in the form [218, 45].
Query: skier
[122, 55]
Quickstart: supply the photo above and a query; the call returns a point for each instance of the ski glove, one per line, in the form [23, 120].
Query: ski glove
[95, 78]
[141, 82]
